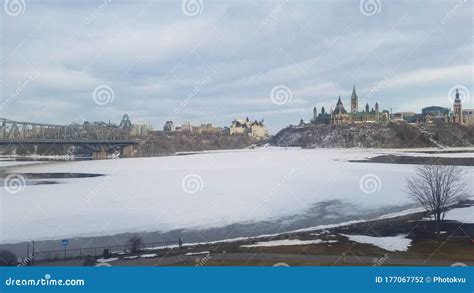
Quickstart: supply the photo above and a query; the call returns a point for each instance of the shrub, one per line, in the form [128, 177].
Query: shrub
[8, 258]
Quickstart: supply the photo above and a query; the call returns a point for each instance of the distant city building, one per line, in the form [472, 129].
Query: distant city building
[341, 116]
[140, 129]
[199, 129]
[321, 118]
[187, 127]
[255, 129]
[468, 116]
[457, 115]
[434, 111]
[169, 126]
[206, 129]
[457, 109]
[409, 117]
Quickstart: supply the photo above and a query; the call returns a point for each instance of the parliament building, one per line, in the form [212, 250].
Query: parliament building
[341, 116]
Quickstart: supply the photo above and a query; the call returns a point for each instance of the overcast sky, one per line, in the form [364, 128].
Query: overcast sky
[213, 61]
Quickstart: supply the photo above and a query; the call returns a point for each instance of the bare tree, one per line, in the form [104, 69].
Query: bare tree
[436, 188]
[135, 242]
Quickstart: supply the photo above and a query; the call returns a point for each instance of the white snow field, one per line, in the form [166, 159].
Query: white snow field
[205, 190]
[287, 242]
[391, 243]
[463, 215]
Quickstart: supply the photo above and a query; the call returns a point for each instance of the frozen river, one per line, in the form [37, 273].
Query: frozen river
[222, 194]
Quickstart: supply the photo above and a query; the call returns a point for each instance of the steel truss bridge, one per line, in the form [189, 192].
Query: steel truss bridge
[91, 134]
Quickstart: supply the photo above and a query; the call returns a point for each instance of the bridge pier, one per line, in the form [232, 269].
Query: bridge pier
[127, 151]
[99, 155]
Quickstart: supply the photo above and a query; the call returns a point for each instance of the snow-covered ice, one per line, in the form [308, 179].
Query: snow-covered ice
[206, 190]
[390, 243]
[198, 253]
[151, 255]
[106, 260]
[463, 215]
[287, 242]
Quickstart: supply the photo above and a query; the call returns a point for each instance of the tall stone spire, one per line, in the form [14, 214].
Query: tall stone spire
[354, 100]
[457, 107]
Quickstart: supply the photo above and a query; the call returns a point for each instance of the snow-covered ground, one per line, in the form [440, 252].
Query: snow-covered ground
[287, 242]
[392, 243]
[211, 189]
[463, 215]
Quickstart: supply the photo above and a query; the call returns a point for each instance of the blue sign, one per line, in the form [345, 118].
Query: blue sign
[65, 242]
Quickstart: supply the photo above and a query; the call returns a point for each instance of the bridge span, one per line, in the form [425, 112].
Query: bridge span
[98, 137]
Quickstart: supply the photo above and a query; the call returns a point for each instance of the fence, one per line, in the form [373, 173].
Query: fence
[105, 251]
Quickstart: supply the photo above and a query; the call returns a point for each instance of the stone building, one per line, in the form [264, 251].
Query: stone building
[255, 129]
[457, 110]
[169, 126]
[321, 118]
[341, 116]
[140, 129]
[468, 116]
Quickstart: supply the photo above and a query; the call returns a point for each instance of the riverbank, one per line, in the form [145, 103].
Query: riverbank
[398, 240]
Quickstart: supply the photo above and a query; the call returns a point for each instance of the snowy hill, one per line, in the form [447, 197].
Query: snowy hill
[390, 135]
